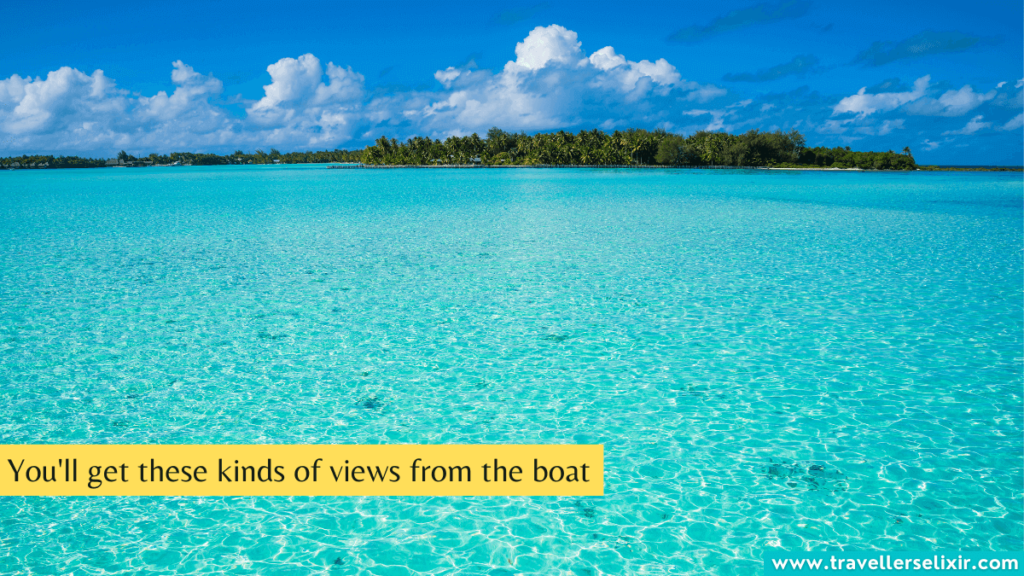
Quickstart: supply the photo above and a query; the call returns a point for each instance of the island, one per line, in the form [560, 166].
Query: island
[621, 148]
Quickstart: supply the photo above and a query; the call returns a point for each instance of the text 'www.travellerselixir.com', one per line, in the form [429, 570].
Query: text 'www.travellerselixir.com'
[886, 562]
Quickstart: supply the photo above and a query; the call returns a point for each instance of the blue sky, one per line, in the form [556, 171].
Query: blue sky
[944, 78]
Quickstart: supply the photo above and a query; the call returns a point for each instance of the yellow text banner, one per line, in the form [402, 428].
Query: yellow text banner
[302, 470]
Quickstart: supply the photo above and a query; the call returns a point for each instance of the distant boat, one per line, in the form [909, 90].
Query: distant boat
[178, 163]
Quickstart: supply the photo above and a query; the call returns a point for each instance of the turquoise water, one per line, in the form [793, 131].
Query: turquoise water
[773, 360]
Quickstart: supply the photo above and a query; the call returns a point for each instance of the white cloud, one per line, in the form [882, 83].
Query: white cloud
[606, 59]
[193, 92]
[973, 126]
[719, 117]
[1016, 122]
[297, 83]
[65, 98]
[886, 127]
[1019, 83]
[345, 85]
[550, 84]
[929, 145]
[705, 93]
[951, 103]
[301, 107]
[291, 80]
[890, 125]
[833, 126]
[72, 112]
[865, 104]
[447, 76]
[544, 45]
[628, 73]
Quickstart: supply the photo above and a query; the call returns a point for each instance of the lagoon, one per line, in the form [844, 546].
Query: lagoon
[773, 359]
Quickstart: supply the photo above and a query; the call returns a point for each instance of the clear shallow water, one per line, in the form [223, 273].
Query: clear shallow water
[802, 361]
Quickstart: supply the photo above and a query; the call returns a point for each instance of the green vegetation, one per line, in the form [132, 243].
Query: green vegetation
[40, 161]
[259, 157]
[198, 159]
[630, 147]
[587, 148]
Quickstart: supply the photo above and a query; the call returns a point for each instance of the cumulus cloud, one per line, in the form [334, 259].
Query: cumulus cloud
[189, 99]
[291, 80]
[951, 103]
[627, 73]
[915, 101]
[552, 83]
[344, 85]
[447, 76]
[923, 44]
[865, 104]
[64, 99]
[606, 59]
[546, 44]
[75, 112]
[973, 126]
[308, 104]
[297, 83]
[742, 18]
[798, 66]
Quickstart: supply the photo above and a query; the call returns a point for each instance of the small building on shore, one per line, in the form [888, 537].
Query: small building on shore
[115, 162]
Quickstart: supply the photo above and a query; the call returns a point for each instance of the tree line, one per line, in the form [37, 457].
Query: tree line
[258, 157]
[632, 147]
[45, 161]
[629, 147]
[186, 158]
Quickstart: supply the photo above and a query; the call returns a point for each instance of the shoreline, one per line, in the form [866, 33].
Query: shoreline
[657, 167]
[358, 166]
[610, 166]
[498, 166]
[828, 169]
